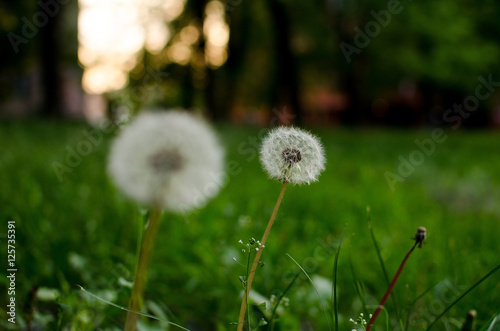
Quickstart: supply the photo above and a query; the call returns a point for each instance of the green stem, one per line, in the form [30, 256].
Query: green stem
[141, 269]
[256, 260]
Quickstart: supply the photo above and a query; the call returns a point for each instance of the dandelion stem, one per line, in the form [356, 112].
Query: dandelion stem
[255, 263]
[389, 289]
[141, 269]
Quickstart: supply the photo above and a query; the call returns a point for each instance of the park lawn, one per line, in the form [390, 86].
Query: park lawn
[74, 228]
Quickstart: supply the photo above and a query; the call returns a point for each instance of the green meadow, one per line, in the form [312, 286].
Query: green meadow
[73, 228]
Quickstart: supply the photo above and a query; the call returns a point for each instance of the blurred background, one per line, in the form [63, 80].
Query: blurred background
[371, 78]
[330, 62]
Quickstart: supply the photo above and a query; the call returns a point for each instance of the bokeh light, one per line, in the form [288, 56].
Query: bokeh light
[113, 33]
[216, 33]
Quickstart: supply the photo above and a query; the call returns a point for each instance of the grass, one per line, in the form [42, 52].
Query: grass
[82, 231]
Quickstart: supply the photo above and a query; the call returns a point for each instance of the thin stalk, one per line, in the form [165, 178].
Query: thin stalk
[389, 289]
[141, 269]
[256, 260]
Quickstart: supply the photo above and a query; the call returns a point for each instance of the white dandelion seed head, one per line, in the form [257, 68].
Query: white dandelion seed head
[292, 155]
[170, 160]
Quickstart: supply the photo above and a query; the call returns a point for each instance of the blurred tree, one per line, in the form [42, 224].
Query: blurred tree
[440, 46]
[16, 56]
[395, 62]
[352, 70]
[238, 46]
[32, 58]
[286, 81]
[50, 64]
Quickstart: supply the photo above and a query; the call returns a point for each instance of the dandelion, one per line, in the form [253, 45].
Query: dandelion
[168, 160]
[289, 155]
[292, 155]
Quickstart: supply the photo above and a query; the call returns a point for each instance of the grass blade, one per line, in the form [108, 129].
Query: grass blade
[394, 298]
[334, 287]
[490, 328]
[390, 288]
[128, 310]
[464, 294]
[414, 302]
[358, 286]
[281, 298]
[386, 316]
[315, 289]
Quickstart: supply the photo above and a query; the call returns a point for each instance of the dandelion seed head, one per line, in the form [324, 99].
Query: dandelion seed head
[168, 159]
[292, 155]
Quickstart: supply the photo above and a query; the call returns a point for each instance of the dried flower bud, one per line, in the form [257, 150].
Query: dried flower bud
[420, 236]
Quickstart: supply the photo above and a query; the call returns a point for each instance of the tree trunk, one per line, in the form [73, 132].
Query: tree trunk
[352, 71]
[50, 57]
[209, 92]
[287, 85]
[237, 47]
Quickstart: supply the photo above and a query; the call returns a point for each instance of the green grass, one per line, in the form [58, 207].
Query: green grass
[82, 231]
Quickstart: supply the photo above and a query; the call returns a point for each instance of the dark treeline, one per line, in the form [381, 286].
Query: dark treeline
[401, 63]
